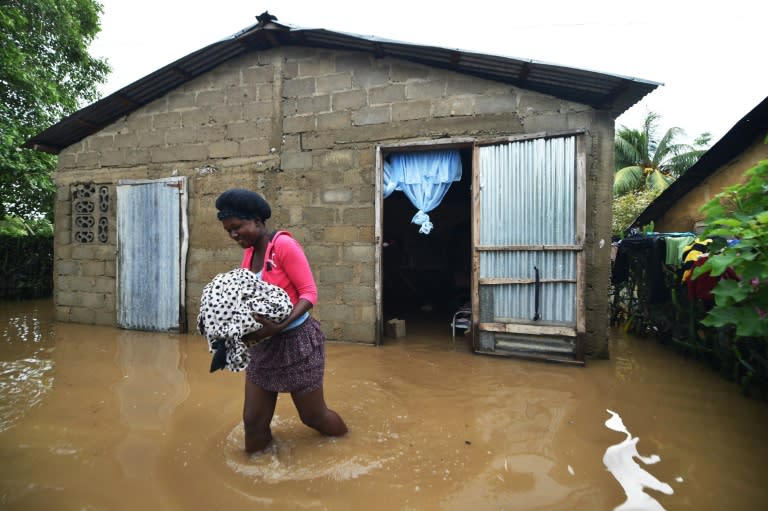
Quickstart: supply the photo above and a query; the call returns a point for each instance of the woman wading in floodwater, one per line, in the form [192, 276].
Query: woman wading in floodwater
[288, 356]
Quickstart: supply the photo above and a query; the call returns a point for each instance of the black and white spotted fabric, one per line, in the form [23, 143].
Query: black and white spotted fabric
[228, 308]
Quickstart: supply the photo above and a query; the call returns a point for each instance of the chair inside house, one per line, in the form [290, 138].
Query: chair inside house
[462, 319]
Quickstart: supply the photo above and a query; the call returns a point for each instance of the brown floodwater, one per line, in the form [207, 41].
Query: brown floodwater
[95, 418]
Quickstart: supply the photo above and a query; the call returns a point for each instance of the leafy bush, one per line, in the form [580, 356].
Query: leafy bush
[627, 207]
[15, 226]
[740, 212]
[26, 267]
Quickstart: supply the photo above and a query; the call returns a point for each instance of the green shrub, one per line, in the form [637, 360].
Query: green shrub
[740, 212]
[627, 208]
[15, 226]
[26, 267]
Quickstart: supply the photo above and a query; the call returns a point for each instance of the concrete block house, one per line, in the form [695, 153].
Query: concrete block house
[332, 128]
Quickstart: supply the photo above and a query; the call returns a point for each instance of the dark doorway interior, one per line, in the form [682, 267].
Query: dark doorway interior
[427, 277]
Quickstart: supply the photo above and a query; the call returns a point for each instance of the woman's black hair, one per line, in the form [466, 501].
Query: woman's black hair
[243, 204]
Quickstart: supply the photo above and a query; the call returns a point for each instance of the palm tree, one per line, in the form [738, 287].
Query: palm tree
[644, 162]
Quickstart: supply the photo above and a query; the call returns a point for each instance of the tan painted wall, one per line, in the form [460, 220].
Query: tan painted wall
[683, 216]
[301, 126]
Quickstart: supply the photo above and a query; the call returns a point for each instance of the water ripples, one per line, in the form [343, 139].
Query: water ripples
[23, 385]
[26, 373]
[286, 459]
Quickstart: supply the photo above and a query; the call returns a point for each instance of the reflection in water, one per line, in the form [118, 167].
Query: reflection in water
[134, 420]
[153, 385]
[620, 460]
[24, 322]
[527, 480]
[23, 385]
[26, 378]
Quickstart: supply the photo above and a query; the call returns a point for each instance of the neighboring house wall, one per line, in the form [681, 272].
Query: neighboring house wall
[684, 215]
[301, 126]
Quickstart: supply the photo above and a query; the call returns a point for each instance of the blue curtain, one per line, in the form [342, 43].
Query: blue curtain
[424, 177]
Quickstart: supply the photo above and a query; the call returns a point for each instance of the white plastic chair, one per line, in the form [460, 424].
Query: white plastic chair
[462, 318]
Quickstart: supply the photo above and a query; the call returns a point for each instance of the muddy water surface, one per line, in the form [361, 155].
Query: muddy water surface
[95, 418]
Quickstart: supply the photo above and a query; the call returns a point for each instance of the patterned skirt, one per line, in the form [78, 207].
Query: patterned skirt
[291, 361]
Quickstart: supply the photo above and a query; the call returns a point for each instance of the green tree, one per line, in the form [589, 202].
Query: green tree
[646, 162]
[46, 74]
[627, 207]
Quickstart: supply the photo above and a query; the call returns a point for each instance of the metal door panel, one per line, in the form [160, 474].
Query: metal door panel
[151, 224]
[528, 251]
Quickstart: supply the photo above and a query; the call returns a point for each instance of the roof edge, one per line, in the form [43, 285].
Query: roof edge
[735, 141]
[602, 91]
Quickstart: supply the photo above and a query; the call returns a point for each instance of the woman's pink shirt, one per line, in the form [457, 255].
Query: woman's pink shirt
[286, 266]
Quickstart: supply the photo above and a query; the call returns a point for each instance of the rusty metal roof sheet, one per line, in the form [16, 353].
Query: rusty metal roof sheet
[599, 90]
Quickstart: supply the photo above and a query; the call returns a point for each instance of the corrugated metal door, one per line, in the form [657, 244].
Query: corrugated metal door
[152, 241]
[529, 232]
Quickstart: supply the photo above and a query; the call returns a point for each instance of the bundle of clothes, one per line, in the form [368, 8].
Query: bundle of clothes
[230, 306]
[695, 255]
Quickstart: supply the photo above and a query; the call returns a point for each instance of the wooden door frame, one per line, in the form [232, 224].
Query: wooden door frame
[381, 151]
[475, 143]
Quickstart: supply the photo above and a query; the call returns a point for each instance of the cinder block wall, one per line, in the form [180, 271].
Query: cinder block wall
[300, 125]
[685, 213]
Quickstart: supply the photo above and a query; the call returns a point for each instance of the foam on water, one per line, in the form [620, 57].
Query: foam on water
[620, 461]
[280, 462]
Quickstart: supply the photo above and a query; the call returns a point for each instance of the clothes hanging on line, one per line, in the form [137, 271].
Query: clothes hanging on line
[652, 250]
[676, 245]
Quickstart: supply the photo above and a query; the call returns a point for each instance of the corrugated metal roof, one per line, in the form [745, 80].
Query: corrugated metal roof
[599, 90]
[737, 140]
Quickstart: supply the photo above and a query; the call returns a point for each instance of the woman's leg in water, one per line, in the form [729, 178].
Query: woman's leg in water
[258, 410]
[316, 414]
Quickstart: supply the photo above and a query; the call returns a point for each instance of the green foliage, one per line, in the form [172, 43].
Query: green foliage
[626, 208]
[645, 162]
[26, 187]
[26, 267]
[740, 212]
[46, 74]
[15, 227]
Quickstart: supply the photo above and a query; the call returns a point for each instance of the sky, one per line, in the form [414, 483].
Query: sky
[708, 58]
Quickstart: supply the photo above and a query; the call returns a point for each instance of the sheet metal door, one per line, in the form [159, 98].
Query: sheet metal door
[529, 231]
[152, 241]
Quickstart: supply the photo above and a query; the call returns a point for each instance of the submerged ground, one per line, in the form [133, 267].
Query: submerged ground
[95, 418]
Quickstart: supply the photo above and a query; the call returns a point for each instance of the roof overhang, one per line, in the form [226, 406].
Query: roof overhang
[599, 90]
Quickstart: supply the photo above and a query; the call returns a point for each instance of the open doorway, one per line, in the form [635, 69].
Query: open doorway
[426, 278]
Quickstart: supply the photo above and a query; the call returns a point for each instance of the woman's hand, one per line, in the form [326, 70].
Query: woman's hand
[271, 328]
[267, 330]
